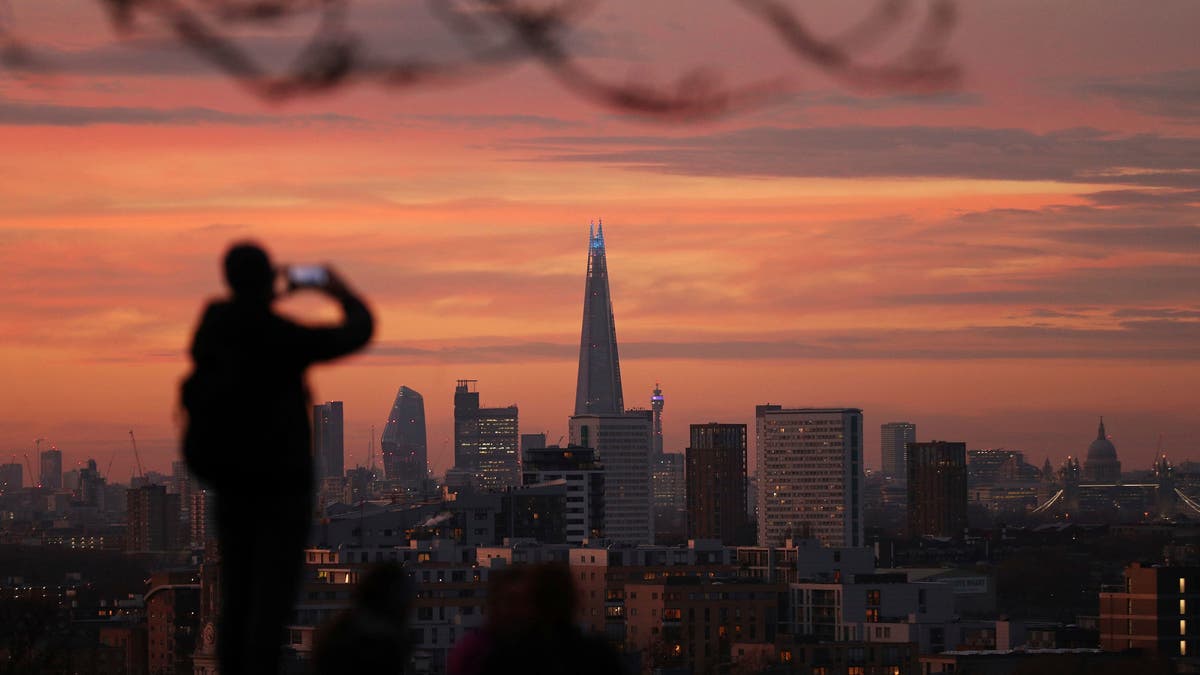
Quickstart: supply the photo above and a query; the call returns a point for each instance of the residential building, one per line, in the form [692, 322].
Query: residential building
[937, 489]
[716, 483]
[892, 438]
[810, 475]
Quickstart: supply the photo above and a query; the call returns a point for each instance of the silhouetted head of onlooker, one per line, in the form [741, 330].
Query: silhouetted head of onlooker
[552, 595]
[249, 273]
[373, 635]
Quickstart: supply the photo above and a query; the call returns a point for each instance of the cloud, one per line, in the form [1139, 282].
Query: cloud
[1156, 313]
[1153, 339]
[1173, 94]
[1139, 285]
[492, 121]
[1074, 155]
[19, 113]
[1164, 238]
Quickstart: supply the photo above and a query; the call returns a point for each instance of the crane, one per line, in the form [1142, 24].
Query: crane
[136, 457]
[33, 478]
[371, 451]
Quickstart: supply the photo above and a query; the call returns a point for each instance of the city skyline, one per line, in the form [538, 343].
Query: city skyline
[1023, 247]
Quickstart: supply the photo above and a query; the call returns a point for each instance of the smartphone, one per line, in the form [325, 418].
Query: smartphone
[307, 276]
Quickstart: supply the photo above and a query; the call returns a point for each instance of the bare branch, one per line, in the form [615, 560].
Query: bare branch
[500, 33]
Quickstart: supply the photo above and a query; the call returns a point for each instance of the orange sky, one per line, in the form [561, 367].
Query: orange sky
[1000, 264]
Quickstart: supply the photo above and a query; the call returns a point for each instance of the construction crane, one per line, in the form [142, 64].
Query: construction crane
[34, 479]
[371, 451]
[136, 456]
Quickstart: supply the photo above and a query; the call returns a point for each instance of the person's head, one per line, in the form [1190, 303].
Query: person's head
[249, 273]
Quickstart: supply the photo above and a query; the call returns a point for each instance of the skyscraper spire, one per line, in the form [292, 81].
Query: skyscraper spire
[598, 388]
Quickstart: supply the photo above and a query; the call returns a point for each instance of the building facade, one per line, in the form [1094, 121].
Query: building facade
[486, 441]
[669, 491]
[583, 476]
[51, 469]
[937, 489]
[810, 475]
[623, 445]
[403, 443]
[152, 519]
[716, 483]
[1157, 610]
[328, 440]
[892, 438]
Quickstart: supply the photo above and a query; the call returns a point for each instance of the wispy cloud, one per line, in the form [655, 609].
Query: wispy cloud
[1174, 94]
[1073, 155]
[21, 113]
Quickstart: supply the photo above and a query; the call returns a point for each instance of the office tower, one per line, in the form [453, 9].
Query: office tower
[937, 489]
[151, 519]
[531, 442]
[1101, 464]
[716, 483]
[11, 477]
[669, 492]
[577, 468]
[656, 404]
[622, 444]
[91, 485]
[892, 437]
[403, 444]
[51, 469]
[810, 475]
[598, 386]
[328, 440]
[486, 440]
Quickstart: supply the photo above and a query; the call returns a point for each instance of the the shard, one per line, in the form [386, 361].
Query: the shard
[598, 389]
[403, 441]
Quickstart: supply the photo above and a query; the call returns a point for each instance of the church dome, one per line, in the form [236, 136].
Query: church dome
[1101, 448]
[1101, 462]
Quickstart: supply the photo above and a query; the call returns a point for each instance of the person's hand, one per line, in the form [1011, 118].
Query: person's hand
[335, 285]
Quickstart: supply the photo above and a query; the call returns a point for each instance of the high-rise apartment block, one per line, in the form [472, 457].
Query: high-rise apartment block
[12, 477]
[892, 438]
[716, 483]
[403, 444]
[583, 476]
[51, 469]
[152, 519]
[937, 489]
[810, 475]
[328, 440]
[622, 444]
[486, 441]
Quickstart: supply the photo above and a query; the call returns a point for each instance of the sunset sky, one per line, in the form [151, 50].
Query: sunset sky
[1000, 264]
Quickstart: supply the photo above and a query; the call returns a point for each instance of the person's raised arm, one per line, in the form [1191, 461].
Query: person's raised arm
[325, 343]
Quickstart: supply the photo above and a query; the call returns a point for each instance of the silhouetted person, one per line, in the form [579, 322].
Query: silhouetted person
[249, 438]
[533, 631]
[373, 635]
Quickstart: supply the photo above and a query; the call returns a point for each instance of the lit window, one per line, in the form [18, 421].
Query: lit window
[1183, 627]
[1182, 585]
[1183, 606]
[1183, 647]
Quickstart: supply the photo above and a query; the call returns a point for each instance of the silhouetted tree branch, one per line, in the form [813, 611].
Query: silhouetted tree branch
[500, 33]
